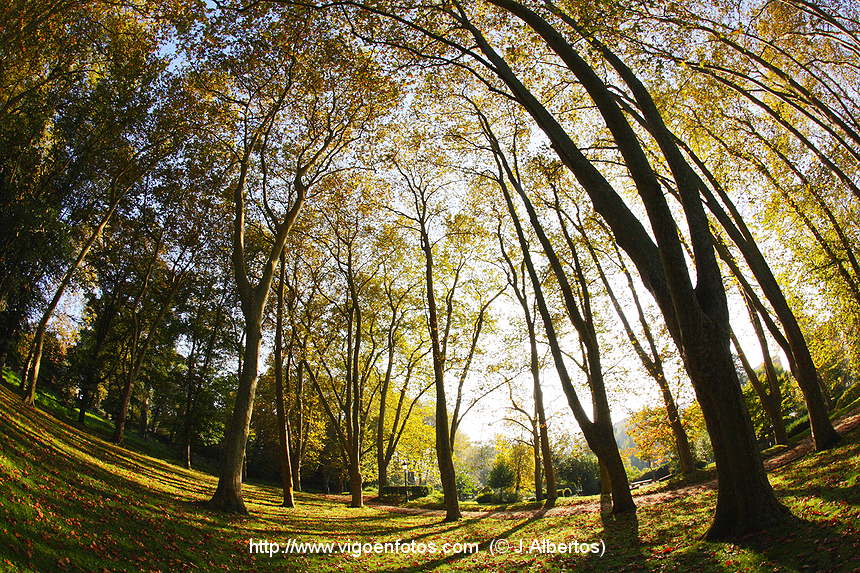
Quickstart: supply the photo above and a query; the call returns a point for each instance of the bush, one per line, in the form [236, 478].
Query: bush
[581, 472]
[10, 377]
[505, 496]
[396, 492]
[848, 396]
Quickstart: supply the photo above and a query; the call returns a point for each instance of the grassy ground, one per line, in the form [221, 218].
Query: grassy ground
[70, 501]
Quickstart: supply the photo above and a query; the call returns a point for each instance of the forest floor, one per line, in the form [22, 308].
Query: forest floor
[71, 501]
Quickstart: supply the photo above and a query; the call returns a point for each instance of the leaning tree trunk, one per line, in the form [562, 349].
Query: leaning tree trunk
[598, 434]
[794, 343]
[773, 414]
[654, 365]
[774, 393]
[697, 316]
[34, 360]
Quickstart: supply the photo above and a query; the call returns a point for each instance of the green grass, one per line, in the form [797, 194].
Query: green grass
[71, 501]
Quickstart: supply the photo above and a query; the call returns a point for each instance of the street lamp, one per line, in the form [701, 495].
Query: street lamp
[405, 467]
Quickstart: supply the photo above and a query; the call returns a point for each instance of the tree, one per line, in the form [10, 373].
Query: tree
[298, 97]
[786, 105]
[577, 304]
[126, 107]
[502, 476]
[543, 454]
[651, 359]
[424, 192]
[283, 436]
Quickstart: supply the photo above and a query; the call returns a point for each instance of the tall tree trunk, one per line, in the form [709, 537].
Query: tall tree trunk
[773, 414]
[354, 395]
[545, 453]
[598, 432]
[794, 342]
[252, 297]
[537, 462]
[298, 440]
[228, 494]
[739, 465]
[444, 453]
[823, 434]
[381, 461]
[187, 427]
[144, 410]
[356, 495]
[283, 438]
[774, 393]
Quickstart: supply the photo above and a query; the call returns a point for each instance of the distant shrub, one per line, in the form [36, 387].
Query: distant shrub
[849, 396]
[797, 426]
[396, 492]
[435, 500]
[505, 496]
[10, 377]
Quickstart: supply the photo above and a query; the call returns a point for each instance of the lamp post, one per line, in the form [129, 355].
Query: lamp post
[405, 467]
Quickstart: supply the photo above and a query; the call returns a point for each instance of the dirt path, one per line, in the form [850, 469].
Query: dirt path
[843, 426]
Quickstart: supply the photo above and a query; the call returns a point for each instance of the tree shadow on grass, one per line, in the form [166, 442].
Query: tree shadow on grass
[848, 494]
[483, 546]
[621, 544]
[807, 546]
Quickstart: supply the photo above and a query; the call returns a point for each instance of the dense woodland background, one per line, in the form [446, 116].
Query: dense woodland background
[308, 242]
